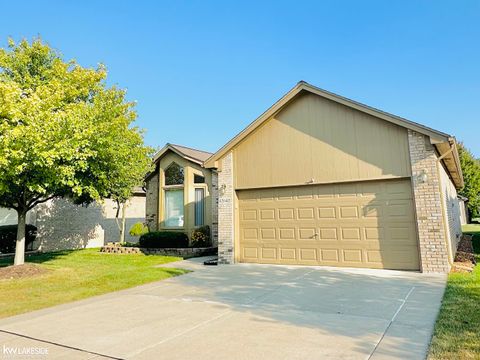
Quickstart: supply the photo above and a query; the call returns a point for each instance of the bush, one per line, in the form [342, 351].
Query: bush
[8, 238]
[163, 239]
[201, 237]
[138, 229]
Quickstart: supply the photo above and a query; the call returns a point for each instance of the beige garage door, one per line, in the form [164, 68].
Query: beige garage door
[364, 224]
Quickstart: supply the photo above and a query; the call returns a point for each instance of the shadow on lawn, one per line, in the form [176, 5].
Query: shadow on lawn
[37, 258]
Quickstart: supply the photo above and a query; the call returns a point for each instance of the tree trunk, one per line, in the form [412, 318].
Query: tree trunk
[20, 245]
[122, 228]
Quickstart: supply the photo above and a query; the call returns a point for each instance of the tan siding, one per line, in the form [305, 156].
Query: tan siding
[315, 138]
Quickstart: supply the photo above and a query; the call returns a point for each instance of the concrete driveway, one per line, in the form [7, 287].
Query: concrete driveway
[242, 312]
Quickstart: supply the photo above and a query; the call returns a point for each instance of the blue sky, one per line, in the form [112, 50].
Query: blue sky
[202, 70]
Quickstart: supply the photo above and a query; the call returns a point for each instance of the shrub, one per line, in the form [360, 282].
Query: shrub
[8, 237]
[138, 229]
[201, 237]
[163, 239]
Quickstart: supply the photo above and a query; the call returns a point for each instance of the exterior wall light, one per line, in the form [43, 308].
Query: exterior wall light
[422, 177]
[222, 189]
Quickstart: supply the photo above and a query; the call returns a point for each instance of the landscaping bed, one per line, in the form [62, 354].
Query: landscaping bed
[167, 243]
[465, 257]
[184, 252]
[21, 271]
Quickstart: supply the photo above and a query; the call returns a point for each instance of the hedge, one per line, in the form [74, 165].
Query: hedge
[8, 238]
[163, 239]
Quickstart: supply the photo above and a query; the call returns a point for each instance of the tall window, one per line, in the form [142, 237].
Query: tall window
[199, 207]
[174, 203]
[174, 208]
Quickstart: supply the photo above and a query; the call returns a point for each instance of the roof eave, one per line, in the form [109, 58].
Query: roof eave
[169, 146]
[211, 161]
[449, 153]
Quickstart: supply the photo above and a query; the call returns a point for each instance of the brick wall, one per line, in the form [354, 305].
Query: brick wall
[214, 195]
[151, 205]
[451, 210]
[226, 195]
[64, 225]
[428, 204]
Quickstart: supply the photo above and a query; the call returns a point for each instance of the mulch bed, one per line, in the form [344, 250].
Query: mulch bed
[464, 258]
[20, 271]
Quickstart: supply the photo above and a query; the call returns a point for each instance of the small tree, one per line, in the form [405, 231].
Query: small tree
[63, 133]
[471, 175]
[135, 164]
[138, 229]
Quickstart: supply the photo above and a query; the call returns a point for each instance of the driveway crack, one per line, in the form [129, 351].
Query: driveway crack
[403, 301]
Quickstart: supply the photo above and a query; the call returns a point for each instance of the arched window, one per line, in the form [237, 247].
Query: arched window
[174, 201]
[174, 175]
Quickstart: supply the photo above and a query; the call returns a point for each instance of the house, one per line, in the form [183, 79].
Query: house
[464, 212]
[319, 179]
[180, 191]
[64, 225]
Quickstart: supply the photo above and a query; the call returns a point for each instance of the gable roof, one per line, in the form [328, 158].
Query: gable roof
[194, 155]
[436, 137]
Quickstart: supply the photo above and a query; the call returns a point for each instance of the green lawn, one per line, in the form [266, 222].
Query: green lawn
[74, 275]
[457, 331]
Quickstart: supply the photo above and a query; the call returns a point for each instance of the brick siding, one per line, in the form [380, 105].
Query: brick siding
[428, 204]
[226, 195]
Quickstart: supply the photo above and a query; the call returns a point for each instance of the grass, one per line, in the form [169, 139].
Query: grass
[457, 331]
[79, 274]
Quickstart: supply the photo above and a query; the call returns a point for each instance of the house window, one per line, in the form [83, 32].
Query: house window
[198, 179]
[199, 207]
[174, 175]
[174, 208]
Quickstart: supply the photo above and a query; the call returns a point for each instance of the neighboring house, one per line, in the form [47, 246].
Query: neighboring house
[180, 191]
[319, 179]
[63, 225]
[464, 214]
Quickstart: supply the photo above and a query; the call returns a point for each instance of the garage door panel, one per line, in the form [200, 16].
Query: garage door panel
[368, 224]
[250, 234]
[267, 233]
[306, 254]
[267, 214]
[269, 253]
[328, 233]
[250, 252]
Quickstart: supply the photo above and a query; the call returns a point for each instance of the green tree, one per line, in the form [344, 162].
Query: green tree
[471, 175]
[63, 133]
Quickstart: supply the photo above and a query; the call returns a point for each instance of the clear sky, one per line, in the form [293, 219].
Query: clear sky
[202, 70]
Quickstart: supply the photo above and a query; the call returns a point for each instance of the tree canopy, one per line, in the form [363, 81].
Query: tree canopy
[471, 175]
[63, 131]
